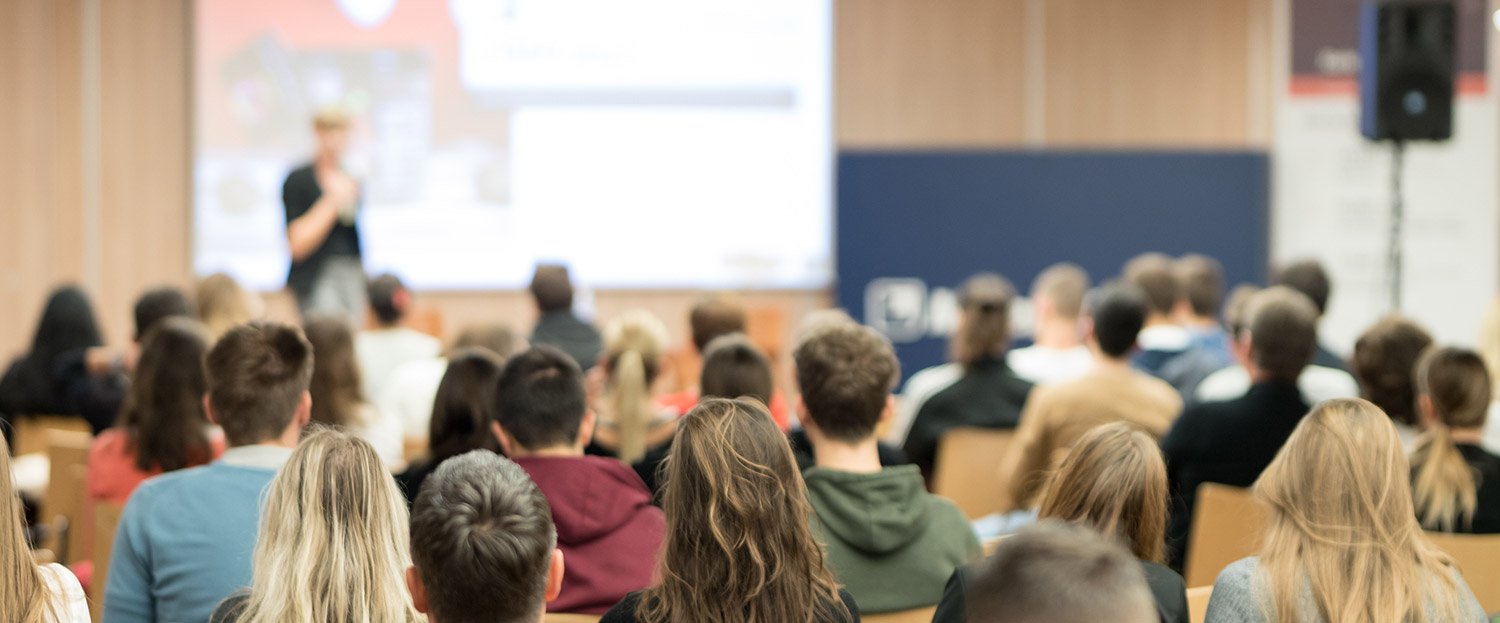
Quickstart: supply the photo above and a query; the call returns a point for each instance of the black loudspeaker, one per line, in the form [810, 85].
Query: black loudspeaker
[1407, 52]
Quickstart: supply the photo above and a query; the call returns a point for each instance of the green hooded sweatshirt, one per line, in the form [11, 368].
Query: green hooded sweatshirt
[892, 544]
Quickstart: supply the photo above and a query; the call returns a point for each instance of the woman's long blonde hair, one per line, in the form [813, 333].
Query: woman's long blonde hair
[1342, 524]
[633, 347]
[24, 597]
[333, 539]
[1456, 385]
[1113, 481]
[223, 304]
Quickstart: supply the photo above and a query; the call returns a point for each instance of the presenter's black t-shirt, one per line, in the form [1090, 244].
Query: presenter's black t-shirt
[298, 195]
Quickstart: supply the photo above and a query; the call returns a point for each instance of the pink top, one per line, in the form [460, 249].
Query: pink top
[112, 474]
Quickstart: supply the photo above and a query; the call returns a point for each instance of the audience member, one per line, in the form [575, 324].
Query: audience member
[67, 325]
[631, 421]
[1056, 573]
[1489, 348]
[1057, 352]
[802, 447]
[738, 546]
[339, 396]
[93, 381]
[31, 593]
[1455, 481]
[1317, 383]
[977, 389]
[715, 315]
[607, 529]
[1168, 349]
[390, 344]
[185, 538]
[483, 547]
[891, 544]
[1385, 362]
[224, 305]
[333, 541]
[1231, 442]
[552, 290]
[1057, 416]
[409, 396]
[1202, 295]
[1311, 279]
[461, 415]
[1343, 542]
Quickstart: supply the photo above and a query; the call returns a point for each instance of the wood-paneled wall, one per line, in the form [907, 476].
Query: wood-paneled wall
[95, 168]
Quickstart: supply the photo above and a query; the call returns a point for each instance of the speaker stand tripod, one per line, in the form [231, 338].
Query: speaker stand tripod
[1398, 217]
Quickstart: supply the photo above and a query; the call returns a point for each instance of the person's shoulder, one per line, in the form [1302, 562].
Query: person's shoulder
[1238, 575]
[623, 612]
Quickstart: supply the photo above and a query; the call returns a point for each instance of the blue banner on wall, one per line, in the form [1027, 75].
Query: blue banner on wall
[912, 226]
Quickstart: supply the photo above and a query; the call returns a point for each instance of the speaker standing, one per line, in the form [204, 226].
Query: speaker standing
[322, 202]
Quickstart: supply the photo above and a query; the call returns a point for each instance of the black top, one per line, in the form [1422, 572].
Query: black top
[988, 396]
[1486, 468]
[298, 195]
[1326, 358]
[410, 480]
[232, 608]
[1228, 442]
[1166, 586]
[97, 398]
[577, 338]
[802, 450]
[624, 612]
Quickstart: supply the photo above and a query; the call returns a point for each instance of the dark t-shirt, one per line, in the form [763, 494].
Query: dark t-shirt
[624, 612]
[988, 396]
[298, 195]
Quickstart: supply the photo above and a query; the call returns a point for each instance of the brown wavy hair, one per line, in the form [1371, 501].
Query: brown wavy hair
[738, 546]
[337, 391]
[163, 413]
[1113, 481]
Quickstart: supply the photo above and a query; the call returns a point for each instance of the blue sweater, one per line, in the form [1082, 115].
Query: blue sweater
[184, 544]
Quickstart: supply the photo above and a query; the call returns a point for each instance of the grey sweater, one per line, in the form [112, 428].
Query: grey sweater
[1240, 597]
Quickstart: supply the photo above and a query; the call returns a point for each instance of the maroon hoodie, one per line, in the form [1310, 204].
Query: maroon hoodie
[607, 529]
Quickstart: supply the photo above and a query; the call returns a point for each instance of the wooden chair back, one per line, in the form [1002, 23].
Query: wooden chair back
[31, 431]
[1227, 526]
[68, 455]
[1197, 600]
[967, 469]
[413, 448]
[569, 617]
[919, 615]
[106, 519]
[1478, 558]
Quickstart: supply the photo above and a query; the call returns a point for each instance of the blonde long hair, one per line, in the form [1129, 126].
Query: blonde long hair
[1113, 481]
[333, 539]
[633, 346]
[1342, 523]
[223, 304]
[24, 596]
[1456, 385]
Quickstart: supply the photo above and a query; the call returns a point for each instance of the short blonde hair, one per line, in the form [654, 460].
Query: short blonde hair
[331, 118]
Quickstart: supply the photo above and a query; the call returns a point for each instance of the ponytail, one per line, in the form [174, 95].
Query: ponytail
[628, 400]
[1444, 489]
[985, 326]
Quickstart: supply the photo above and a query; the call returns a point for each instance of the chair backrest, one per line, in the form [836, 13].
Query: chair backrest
[568, 617]
[31, 431]
[1478, 558]
[967, 468]
[919, 615]
[106, 519]
[1197, 599]
[1227, 526]
[68, 455]
[413, 448]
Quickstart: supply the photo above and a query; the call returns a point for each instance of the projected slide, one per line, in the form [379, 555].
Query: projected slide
[650, 143]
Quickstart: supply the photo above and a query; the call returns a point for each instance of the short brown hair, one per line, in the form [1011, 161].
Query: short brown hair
[733, 367]
[1308, 277]
[498, 339]
[482, 540]
[713, 316]
[1385, 361]
[1153, 274]
[1057, 573]
[1202, 281]
[846, 373]
[552, 288]
[984, 326]
[257, 374]
[1283, 331]
[1064, 284]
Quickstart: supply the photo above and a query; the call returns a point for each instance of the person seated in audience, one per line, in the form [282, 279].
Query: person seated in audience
[1057, 416]
[1317, 383]
[390, 344]
[978, 389]
[461, 416]
[1168, 349]
[802, 446]
[185, 538]
[223, 304]
[1455, 481]
[333, 541]
[67, 325]
[338, 393]
[557, 325]
[409, 396]
[1199, 304]
[890, 542]
[1342, 542]
[1113, 482]
[631, 422]
[1231, 442]
[1311, 279]
[94, 381]
[1056, 573]
[716, 315]
[1385, 362]
[607, 529]
[33, 593]
[1057, 352]
[738, 545]
[1489, 348]
[483, 547]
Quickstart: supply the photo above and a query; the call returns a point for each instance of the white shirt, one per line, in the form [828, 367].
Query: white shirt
[1316, 383]
[921, 386]
[382, 351]
[1043, 365]
[383, 431]
[258, 456]
[409, 395]
[1491, 440]
[1168, 337]
[68, 600]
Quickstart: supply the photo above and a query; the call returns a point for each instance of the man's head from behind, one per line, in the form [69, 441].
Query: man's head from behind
[157, 304]
[715, 315]
[389, 299]
[1282, 333]
[1117, 312]
[258, 377]
[483, 546]
[1058, 573]
[1309, 278]
[846, 372]
[552, 288]
[540, 402]
[1154, 275]
[1058, 291]
[1202, 281]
